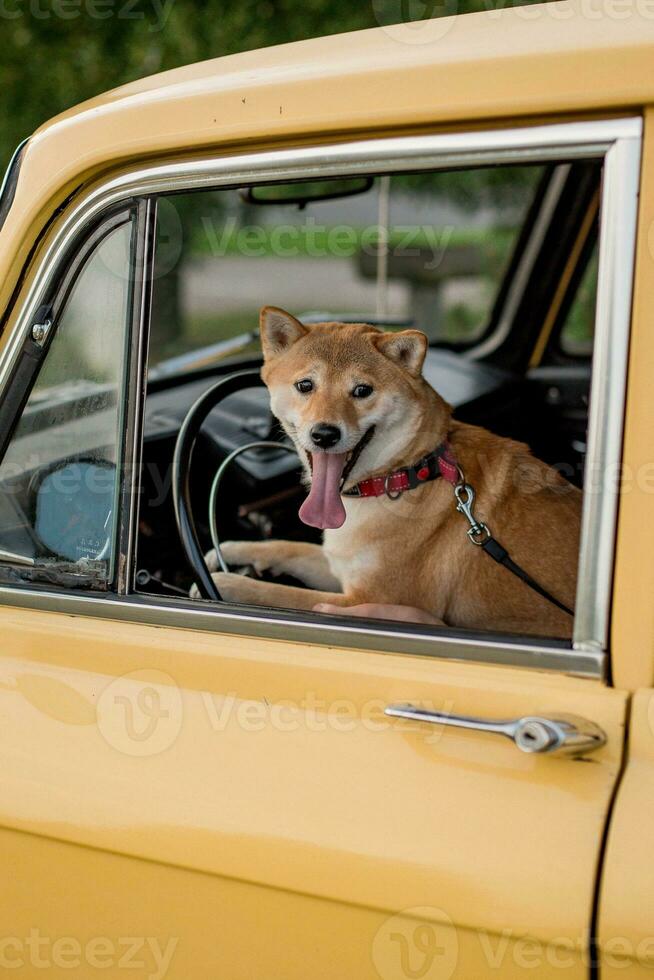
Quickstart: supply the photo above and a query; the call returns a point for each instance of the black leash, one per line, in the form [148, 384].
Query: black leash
[480, 535]
[502, 557]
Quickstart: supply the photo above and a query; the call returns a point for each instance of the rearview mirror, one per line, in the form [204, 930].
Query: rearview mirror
[301, 193]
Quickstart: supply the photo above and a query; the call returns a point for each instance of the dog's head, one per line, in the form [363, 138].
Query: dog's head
[349, 396]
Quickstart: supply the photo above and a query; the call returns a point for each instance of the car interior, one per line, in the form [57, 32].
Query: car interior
[497, 265]
[523, 370]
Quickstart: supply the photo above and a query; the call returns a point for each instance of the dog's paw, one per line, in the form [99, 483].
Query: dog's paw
[211, 559]
[232, 587]
[236, 554]
[237, 588]
[259, 554]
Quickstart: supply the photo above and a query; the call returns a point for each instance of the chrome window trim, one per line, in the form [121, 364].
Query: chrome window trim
[528, 145]
[618, 141]
[136, 386]
[285, 625]
[617, 251]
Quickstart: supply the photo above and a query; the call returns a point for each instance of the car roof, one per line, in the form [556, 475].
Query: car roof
[573, 56]
[548, 57]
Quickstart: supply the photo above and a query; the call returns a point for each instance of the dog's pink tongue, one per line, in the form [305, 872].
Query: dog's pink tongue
[324, 507]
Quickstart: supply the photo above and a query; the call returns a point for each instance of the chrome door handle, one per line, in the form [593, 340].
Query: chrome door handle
[560, 734]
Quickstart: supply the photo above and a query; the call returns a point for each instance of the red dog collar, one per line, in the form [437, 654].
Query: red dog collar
[440, 462]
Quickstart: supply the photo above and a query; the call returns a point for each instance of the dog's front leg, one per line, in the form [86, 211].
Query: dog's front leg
[305, 562]
[239, 588]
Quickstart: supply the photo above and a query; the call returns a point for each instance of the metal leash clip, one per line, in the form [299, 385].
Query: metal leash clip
[465, 498]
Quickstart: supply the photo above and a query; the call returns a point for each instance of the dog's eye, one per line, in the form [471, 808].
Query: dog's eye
[304, 386]
[362, 391]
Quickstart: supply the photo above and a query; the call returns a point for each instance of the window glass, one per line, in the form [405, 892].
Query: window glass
[426, 250]
[58, 480]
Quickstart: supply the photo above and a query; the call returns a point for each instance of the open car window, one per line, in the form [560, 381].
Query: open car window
[425, 250]
[439, 252]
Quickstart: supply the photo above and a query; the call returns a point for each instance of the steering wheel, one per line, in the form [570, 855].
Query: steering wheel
[182, 457]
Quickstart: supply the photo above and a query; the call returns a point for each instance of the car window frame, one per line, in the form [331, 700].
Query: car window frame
[10, 181]
[618, 143]
[20, 384]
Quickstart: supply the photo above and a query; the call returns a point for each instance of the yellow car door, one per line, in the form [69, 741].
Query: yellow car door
[190, 791]
[244, 803]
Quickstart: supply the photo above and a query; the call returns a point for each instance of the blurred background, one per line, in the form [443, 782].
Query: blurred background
[56, 53]
[449, 236]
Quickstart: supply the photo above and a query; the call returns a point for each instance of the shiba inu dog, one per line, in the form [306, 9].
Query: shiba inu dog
[383, 458]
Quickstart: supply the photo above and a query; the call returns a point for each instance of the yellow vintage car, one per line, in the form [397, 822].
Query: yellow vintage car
[193, 789]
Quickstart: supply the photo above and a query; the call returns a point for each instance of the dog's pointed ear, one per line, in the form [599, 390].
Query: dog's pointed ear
[279, 330]
[407, 349]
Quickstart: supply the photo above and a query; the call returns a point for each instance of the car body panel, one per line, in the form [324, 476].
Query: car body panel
[271, 763]
[632, 631]
[215, 927]
[625, 926]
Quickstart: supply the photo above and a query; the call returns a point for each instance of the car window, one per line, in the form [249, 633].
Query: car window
[425, 250]
[59, 476]
[450, 240]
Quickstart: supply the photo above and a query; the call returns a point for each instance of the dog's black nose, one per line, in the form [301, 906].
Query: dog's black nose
[325, 435]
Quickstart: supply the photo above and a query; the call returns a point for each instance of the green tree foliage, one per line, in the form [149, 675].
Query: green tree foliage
[56, 53]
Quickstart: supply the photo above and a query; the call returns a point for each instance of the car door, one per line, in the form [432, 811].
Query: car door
[190, 791]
